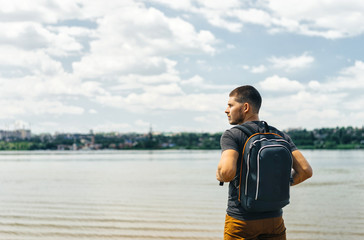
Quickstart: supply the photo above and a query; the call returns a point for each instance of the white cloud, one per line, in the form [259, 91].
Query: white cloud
[254, 16]
[213, 10]
[349, 78]
[146, 101]
[314, 85]
[45, 126]
[20, 124]
[180, 5]
[142, 123]
[134, 82]
[212, 122]
[196, 80]
[327, 19]
[39, 10]
[28, 62]
[255, 69]
[52, 107]
[305, 108]
[281, 84]
[172, 89]
[230, 46]
[316, 104]
[54, 41]
[215, 19]
[37, 87]
[124, 44]
[75, 57]
[14, 108]
[258, 69]
[197, 84]
[112, 127]
[292, 63]
[137, 40]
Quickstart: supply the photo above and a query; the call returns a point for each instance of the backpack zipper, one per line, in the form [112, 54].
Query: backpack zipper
[247, 172]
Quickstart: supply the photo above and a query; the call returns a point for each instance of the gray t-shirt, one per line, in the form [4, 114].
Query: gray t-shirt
[235, 139]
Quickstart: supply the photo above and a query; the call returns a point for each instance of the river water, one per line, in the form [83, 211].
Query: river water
[170, 194]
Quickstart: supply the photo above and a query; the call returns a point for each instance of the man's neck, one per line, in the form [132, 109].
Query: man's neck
[252, 118]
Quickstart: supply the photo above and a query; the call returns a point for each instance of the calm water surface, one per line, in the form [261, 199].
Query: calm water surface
[162, 195]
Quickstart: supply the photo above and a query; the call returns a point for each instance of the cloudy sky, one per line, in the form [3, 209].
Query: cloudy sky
[126, 65]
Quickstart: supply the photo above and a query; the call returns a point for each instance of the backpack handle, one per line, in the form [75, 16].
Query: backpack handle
[266, 127]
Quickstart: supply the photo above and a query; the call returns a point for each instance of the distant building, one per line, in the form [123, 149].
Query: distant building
[22, 134]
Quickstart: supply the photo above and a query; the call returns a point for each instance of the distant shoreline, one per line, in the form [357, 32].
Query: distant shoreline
[162, 149]
[324, 138]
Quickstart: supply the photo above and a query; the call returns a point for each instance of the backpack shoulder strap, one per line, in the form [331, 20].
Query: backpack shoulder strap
[248, 130]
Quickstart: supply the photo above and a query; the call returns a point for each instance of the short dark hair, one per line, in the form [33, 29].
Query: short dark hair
[247, 94]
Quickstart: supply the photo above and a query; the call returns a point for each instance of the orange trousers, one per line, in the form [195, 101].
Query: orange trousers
[268, 228]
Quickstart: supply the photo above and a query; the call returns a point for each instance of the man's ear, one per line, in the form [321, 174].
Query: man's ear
[246, 107]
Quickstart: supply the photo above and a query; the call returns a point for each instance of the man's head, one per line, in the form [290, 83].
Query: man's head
[244, 104]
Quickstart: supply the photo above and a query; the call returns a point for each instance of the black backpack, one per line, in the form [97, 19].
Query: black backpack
[265, 171]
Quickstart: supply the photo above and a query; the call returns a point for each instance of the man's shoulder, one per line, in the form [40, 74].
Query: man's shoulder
[232, 133]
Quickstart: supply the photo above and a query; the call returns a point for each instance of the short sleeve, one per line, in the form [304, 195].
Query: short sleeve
[228, 141]
[289, 140]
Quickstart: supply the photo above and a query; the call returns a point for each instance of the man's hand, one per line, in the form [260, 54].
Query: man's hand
[218, 176]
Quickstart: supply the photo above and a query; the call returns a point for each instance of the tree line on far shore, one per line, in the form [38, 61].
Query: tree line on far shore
[328, 138]
[323, 138]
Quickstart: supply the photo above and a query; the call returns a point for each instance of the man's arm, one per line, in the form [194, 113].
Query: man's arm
[301, 167]
[226, 168]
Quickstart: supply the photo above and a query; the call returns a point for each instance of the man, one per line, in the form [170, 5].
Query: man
[243, 107]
